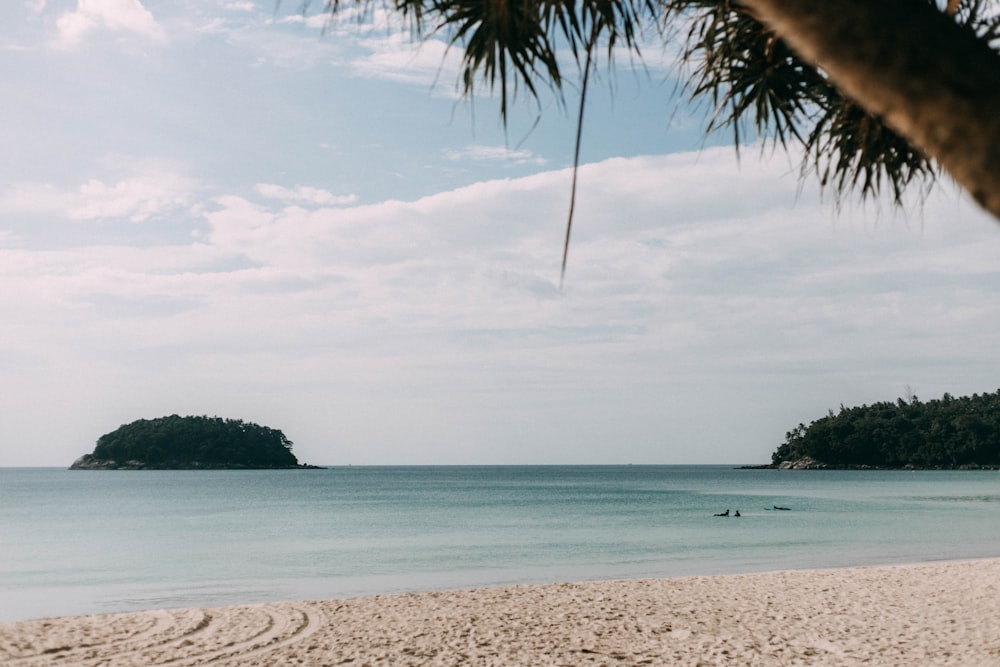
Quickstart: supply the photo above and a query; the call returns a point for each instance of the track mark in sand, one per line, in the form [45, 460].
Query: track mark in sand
[174, 638]
[290, 623]
[86, 639]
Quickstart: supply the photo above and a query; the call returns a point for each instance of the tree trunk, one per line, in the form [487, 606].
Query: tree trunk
[930, 79]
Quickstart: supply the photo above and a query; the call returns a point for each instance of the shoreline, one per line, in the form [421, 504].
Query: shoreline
[930, 613]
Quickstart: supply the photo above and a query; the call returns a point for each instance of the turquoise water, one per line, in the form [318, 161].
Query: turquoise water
[74, 542]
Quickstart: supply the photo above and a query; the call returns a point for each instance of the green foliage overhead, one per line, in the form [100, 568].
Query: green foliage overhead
[753, 83]
[756, 85]
[203, 442]
[946, 432]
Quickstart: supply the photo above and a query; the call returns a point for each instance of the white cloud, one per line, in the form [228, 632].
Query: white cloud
[138, 197]
[315, 21]
[304, 194]
[655, 228]
[33, 197]
[122, 16]
[392, 52]
[693, 284]
[398, 57]
[239, 5]
[479, 153]
[294, 41]
[370, 43]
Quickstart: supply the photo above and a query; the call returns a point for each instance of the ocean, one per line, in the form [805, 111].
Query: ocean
[82, 542]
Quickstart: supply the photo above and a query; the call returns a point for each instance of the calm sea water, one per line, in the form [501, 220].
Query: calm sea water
[75, 542]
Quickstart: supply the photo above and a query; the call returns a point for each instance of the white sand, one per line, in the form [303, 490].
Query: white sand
[915, 615]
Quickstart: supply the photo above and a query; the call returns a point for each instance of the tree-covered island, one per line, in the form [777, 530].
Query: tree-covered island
[190, 443]
[946, 433]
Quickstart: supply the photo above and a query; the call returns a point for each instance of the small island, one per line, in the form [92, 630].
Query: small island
[947, 433]
[190, 443]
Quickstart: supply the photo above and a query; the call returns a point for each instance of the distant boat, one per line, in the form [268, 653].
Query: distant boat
[778, 508]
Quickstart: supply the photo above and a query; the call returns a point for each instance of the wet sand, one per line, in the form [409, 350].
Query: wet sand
[944, 613]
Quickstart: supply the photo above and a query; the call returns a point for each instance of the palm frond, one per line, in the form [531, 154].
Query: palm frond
[852, 151]
[753, 81]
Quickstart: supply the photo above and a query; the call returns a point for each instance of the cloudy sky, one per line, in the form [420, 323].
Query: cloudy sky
[227, 207]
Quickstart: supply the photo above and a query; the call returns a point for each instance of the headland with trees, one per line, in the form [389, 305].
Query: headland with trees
[944, 433]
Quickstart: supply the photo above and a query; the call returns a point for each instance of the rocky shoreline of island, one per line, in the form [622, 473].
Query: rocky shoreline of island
[89, 462]
[809, 463]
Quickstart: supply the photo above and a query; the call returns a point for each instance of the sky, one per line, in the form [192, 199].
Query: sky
[233, 208]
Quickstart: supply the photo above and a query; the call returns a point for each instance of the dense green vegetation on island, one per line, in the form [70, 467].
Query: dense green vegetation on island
[190, 442]
[942, 433]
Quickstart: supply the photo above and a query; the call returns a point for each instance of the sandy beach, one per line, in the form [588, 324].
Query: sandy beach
[928, 614]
